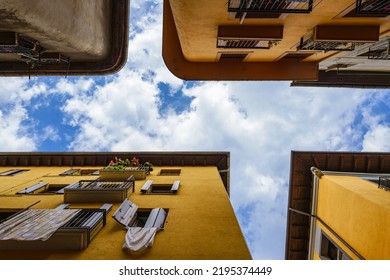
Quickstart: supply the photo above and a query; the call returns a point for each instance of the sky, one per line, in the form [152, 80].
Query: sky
[144, 107]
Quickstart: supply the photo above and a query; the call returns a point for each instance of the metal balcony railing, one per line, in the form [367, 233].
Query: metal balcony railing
[102, 185]
[380, 51]
[98, 190]
[309, 44]
[270, 6]
[384, 183]
[373, 7]
[246, 43]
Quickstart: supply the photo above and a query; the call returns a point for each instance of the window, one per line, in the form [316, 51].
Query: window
[224, 56]
[150, 188]
[330, 251]
[7, 213]
[45, 188]
[141, 224]
[129, 215]
[170, 172]
[13, 172]
[54, 188]
[80, 172]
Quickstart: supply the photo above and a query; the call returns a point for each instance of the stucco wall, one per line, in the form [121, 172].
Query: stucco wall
[357, 211]
[201, 223]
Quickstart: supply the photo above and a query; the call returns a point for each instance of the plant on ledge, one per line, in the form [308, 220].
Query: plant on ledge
[119, 164]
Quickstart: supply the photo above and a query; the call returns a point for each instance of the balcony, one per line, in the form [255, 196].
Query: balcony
[51, 229]
[270, 6]
[245, 44]
[249, 37]
[28, 50]
[98, 191]
[380, 51]
[309, 43]
[339, 37]
[384, 183]
[373, 7]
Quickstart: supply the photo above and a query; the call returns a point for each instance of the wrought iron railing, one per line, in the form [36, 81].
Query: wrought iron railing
[380, 51]
[270, 6]
[373, 7]
[384, 183]
[103, 184]
[309, 43]
[246, 43]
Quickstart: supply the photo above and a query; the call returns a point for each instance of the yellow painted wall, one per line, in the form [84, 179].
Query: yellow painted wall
[201, 223]
[335, 239]
[358, 212]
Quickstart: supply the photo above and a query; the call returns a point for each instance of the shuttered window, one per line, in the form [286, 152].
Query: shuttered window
[13, 172]
[129, 214]
[151, 188]
[170, 172]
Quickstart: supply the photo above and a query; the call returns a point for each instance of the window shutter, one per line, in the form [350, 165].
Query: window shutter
[69, 172]
[125, 213]
[156, 218]
[33, 188]
[147, 186]
[175, 186]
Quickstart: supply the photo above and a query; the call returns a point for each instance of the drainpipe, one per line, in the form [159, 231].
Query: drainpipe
[317, 174]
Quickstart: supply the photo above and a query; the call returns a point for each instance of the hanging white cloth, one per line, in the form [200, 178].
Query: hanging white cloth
[139, 238]
[35, 224]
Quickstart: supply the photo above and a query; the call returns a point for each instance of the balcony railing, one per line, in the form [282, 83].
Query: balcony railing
[270, 6]
[384, 183]
[373, 7]
[380, 51]
[310, 44]
[246, 43]
[98, 190]
[51, 229]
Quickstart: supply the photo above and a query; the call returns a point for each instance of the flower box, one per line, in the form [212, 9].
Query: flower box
[110, 174]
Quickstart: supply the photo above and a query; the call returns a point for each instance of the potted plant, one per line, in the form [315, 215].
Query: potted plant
[121, 169]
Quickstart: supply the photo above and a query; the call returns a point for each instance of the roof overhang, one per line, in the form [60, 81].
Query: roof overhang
[90, 37]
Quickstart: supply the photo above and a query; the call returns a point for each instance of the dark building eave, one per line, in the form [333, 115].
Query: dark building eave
[116, 59]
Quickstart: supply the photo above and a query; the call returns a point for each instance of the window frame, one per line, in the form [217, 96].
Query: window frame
[151, 188]
[170, 172]
[324, 252]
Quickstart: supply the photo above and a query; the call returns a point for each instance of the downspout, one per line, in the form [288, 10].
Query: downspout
[317, 174]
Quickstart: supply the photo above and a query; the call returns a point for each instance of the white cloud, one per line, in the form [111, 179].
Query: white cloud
[377, 139]
[15, 95]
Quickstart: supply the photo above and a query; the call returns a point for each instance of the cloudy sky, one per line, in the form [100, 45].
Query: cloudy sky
[145, 108]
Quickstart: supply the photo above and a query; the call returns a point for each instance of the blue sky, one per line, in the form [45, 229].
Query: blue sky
[145, 108]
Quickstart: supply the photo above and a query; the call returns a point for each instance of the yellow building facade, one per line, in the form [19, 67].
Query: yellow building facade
[342, 214]
[198, 221]
[352, 221]
[321, 42]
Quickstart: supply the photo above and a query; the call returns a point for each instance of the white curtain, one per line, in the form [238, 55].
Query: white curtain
[138, 238]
